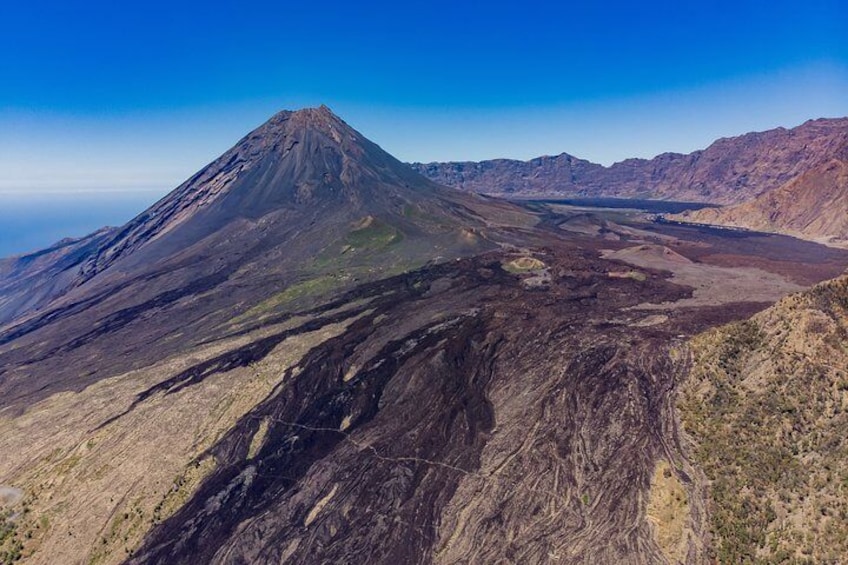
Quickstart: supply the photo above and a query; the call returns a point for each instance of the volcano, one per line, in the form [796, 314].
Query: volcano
[297, 183]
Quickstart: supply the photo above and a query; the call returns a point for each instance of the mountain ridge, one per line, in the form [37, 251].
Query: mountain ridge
[730, 170]
[765, 397]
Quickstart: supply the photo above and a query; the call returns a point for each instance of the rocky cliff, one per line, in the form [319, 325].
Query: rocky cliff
[813, 205]
[729, 171]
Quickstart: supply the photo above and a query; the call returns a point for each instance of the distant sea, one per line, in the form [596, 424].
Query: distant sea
[33, 221]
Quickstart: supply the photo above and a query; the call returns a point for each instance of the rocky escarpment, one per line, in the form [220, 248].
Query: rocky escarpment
[729, 171]
[812, 206]
[559, 174]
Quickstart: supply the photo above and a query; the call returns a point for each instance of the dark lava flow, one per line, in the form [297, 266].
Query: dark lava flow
[401, 433]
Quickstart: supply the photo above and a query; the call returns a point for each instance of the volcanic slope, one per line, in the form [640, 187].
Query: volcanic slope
[32, 280]
[332, 359]
[729, 171]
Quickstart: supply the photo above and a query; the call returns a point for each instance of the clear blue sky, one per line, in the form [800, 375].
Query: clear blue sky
[115, 95]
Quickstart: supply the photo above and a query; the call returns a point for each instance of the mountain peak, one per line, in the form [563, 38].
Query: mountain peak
[309, 114]
[290, 132]
[320, 119]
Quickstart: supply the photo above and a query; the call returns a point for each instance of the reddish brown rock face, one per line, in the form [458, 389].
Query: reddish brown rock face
[814, 205]
[729, 171]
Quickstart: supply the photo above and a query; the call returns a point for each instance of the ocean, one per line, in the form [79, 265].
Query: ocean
[29, 222]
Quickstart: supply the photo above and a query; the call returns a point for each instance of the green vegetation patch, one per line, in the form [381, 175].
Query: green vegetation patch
[366, 245]
[765, 407]
[11, 546]
[18, 530]
[372, 235]
[306, 289]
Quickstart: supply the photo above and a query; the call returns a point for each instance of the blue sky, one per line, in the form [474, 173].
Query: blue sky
[106, 95]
